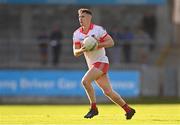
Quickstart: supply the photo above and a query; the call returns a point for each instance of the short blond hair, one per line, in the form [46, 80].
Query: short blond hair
[84, 10]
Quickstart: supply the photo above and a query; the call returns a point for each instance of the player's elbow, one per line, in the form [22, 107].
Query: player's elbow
[111, 43]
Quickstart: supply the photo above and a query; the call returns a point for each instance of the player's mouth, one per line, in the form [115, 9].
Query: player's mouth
[81, 23]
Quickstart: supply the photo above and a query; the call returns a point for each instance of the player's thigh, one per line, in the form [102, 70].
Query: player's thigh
[92, 74]
[104, 82]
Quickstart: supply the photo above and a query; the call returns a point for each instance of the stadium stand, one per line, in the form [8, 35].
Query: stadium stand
[19, 47]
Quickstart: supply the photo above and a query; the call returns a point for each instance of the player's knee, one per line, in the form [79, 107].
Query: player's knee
[84, 82]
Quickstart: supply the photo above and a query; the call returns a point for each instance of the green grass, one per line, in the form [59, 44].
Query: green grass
[147, 114]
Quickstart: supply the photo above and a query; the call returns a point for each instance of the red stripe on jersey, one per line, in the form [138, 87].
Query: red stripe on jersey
[77, 43]
[102, 38]
[90, 28]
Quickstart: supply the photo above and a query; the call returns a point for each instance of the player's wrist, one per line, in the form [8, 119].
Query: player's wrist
[97, 46]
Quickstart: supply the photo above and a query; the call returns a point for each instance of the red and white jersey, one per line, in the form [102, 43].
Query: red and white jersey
[98, 55]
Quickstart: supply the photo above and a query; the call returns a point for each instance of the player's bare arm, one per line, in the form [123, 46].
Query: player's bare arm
[108, 42]
[78, 50]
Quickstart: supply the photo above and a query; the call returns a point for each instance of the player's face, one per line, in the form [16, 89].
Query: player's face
[84, 19]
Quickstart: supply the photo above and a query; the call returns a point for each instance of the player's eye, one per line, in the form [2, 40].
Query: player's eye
[81, 16]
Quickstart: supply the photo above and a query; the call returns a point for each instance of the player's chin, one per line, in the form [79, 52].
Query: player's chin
[81, 24]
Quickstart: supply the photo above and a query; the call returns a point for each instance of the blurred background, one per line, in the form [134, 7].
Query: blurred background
[37, 63]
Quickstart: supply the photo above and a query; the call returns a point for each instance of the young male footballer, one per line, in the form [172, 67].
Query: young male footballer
[97, 62]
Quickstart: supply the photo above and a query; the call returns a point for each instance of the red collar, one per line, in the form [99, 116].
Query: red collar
[90, 28]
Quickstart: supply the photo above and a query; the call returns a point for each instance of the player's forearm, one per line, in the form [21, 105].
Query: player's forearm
[106, 44]
[78, 52]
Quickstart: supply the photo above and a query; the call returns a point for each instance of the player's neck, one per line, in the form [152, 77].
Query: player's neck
[86, 27]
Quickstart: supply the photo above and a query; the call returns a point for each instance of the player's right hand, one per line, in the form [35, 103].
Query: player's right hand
[83, 49]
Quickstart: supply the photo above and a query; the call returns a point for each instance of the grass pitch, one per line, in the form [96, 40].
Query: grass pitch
[147, 114]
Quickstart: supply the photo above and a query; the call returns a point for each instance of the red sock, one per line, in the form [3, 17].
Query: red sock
[93, 106]
[126, 108]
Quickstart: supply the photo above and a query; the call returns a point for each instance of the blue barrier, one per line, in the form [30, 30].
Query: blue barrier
[62, 83]
[87, 2]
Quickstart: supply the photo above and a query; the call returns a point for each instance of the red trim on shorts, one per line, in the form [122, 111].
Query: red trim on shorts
[104, 67]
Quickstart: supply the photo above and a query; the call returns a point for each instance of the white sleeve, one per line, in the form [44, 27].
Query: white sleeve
[102, 32]
[75, 39]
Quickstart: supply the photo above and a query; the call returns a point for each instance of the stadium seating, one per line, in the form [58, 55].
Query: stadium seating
[19, 47]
